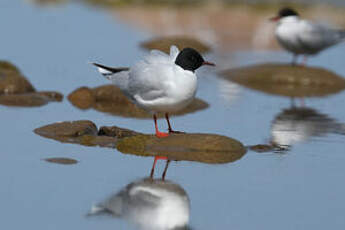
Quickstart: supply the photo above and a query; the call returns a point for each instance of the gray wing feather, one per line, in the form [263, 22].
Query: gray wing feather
[318, 37]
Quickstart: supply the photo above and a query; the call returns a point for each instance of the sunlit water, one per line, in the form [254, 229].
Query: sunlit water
[300, 189]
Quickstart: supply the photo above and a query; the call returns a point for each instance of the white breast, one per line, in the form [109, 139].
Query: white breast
[287, 33]
[163, 87]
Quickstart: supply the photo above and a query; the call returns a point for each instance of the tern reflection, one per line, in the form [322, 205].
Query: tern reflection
[154, 204]
[300, 124]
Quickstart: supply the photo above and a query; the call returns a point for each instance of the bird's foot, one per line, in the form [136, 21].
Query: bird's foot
[161, 134]
[175, 132]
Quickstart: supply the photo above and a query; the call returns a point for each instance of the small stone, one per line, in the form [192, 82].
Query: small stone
[61, 160]
[83, 98]
[261, 148]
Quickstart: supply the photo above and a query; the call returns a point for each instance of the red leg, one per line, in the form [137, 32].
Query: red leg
[158, 133]
[169, 126]
[154, 164]
[165, 169]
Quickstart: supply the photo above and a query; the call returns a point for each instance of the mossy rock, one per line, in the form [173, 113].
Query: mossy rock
[164, 43]
[110, 99]
[287, 80]
[68, 129]
[81, 132]
[6, 66]
[206, 148]
[12, 81]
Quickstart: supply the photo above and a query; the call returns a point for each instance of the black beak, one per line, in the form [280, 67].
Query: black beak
[208, 63]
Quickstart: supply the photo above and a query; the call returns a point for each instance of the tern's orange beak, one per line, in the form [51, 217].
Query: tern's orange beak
[274, 19]
[208, 63]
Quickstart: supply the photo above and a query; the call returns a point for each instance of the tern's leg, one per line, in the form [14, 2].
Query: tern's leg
[154, 164]
[294, 59]
[158, 133]
[165, 169]
[169, 126]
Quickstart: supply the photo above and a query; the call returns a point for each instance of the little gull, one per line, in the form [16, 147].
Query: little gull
[160, 83]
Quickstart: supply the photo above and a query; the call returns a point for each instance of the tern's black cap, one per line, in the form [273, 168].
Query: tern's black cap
[285, 12]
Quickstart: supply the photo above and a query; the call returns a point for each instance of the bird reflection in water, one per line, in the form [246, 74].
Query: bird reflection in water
[300, 124]
[148, 203]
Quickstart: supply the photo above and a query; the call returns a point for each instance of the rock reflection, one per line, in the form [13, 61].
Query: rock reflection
[295, 125]
[298, 125]
[153, 204]
[287, 80]
[109, 99]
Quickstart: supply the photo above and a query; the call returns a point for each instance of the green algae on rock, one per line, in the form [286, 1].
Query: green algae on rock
[61, 160]
[206, 148]
[287, 80]
[110, 99]
[164, 43]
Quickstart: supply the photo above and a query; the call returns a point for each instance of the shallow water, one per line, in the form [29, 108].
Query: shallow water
[297, 189]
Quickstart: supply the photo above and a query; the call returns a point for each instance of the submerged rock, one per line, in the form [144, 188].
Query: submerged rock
[287, 80]
[30, 99]
[61, 160]
[206, 148]
[110, 99]
[164, 43]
